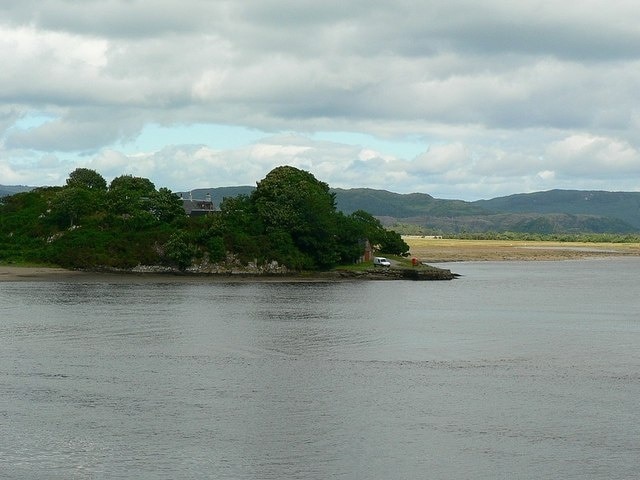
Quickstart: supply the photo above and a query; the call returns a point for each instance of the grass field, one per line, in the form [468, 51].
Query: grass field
[451, 250]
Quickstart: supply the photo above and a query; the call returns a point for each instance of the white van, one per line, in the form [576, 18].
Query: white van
[381, 262]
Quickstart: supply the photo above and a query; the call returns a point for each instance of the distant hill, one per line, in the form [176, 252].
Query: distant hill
[383, 203]
[12, 189]
[554, 211]
[542, 223]
[624, 206]
[377, 202]
[218, 193]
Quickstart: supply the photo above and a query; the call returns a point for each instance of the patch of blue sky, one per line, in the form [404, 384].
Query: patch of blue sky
[33, 120]
[225, 137]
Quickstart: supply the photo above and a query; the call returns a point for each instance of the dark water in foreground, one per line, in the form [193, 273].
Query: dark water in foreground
[516, 370]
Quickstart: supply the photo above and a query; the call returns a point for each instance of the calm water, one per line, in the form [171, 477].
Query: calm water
[515, 370]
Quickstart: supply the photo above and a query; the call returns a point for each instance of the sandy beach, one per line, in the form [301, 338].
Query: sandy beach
[438, 250]
[14, 274]
[34, 274]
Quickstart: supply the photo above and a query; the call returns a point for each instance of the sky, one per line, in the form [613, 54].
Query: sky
[458, 99]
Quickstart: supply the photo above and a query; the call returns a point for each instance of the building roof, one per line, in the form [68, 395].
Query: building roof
[194, 208]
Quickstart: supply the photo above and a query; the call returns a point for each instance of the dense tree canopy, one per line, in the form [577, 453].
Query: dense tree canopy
[86, 178]
[291, 217]
[296, 208]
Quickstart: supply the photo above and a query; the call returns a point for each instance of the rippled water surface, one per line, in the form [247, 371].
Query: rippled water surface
[515, 370]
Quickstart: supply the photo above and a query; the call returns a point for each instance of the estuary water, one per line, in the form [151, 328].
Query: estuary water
[514, 370]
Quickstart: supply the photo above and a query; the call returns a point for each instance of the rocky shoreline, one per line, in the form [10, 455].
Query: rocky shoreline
[395, 273]
[433, 251]
[162, 274]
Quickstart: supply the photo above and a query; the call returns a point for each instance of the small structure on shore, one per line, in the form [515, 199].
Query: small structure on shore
[198, 208]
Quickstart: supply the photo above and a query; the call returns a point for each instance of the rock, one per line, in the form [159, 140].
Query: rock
[420, 273]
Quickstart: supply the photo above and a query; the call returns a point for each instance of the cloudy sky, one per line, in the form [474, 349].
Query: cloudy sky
[458, 99]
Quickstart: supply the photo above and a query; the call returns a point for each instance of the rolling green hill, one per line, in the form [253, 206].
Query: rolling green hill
[383, 203]
[380, 203]
[624, 206]
[534, 223]
[554, 211]
[218, 193]
[11, 189]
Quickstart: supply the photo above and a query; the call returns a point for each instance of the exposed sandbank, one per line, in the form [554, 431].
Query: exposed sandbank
[35, 274]
[437, 250]
[14, 274]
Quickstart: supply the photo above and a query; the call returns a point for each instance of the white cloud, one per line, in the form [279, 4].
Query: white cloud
[503, 95]
[547, 175]
[440, 159]
[583, 155]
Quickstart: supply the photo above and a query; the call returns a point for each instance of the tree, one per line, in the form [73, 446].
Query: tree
[165, 206]
[383, 240]
[290, 198]
[240, 227]
[216, 248]
[130, 195]
[370, 226]
[351, 239]
[392, 243]
[293, 201]
[129, 183]
[87, 179]
[178, 250]
[71, 203]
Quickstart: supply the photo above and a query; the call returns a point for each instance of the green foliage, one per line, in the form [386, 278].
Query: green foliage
[384, 241]
[76, 226]
[290, 217]
[165, 206]
[178, 250]
[240, 228]
[216, 249]
[292, 202]
[79, 248]
[128, 195]
[71, 204]
[291, 199]
[87, 179]
[138, 186]
[351, 239]
[393, 244]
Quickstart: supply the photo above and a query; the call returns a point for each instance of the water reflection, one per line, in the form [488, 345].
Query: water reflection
[305, 319]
